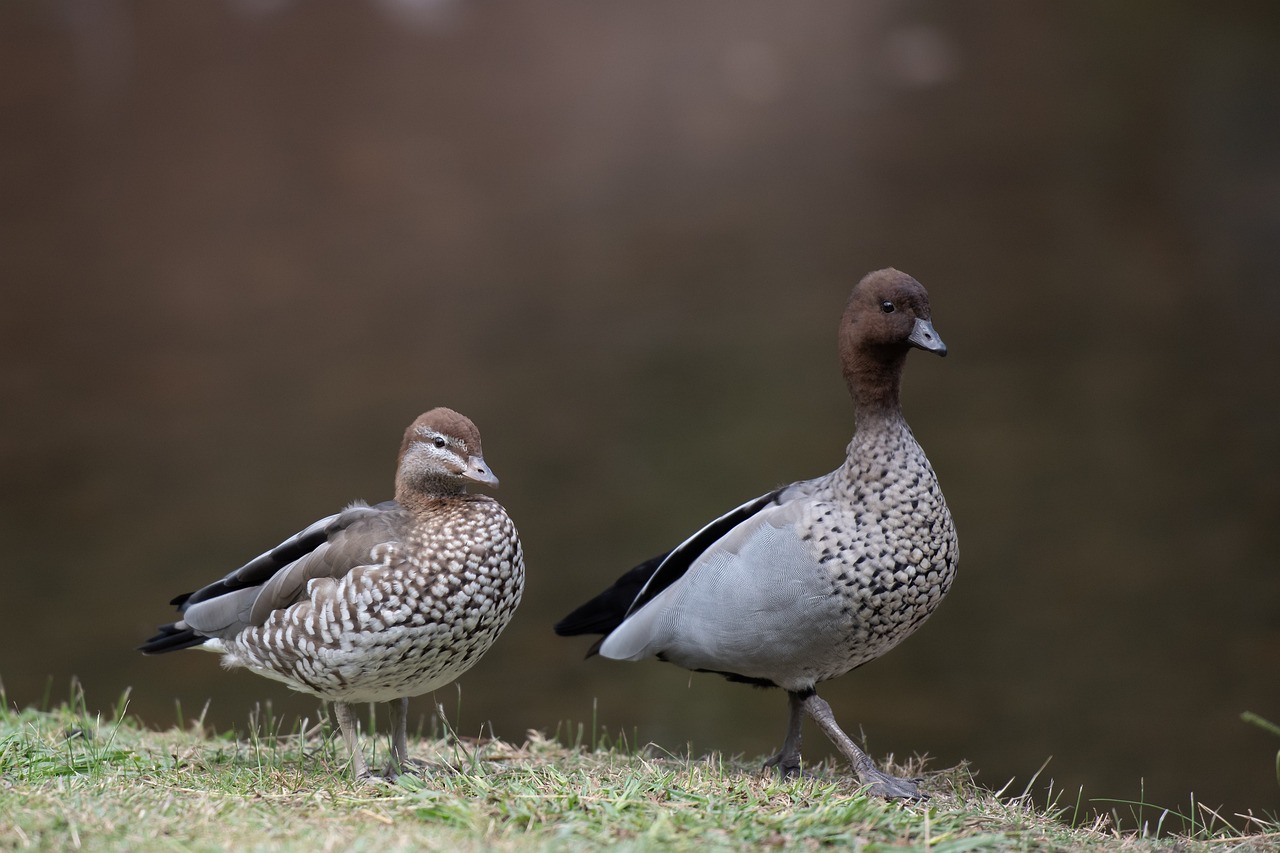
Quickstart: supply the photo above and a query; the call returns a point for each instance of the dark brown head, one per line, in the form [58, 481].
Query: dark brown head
[887, 314]
[440, 453]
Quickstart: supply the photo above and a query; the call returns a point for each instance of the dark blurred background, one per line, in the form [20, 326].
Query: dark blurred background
[244, 243]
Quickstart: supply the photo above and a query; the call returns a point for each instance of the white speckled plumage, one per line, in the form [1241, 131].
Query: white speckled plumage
[812, 580]
[375, 603]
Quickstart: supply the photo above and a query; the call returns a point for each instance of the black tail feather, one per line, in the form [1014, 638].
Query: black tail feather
[639, 586]
[170, 638]
[606, 611]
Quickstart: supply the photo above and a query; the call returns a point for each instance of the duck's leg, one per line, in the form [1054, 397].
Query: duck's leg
[788, 758]
[351, 735]
[399, 733]
[877, 781]
[400, 762]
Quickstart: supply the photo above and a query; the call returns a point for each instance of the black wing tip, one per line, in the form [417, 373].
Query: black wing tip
[568, 627]
[587, 619]
[641, 584]
[564, 628]
[171, 638]
[607, 610]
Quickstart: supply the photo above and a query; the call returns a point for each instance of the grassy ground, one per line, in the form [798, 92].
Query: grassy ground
[71, 780]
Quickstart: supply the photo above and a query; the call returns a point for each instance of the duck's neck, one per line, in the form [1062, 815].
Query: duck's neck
[873, 421]
[875, 385]
[880, 438]
[417, 496]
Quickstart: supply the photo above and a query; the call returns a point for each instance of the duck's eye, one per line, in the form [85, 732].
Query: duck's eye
[439, 441]
[887, 307]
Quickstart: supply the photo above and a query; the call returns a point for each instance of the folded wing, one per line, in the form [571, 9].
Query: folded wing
[741, 607]
[638, 586]
[331, 547]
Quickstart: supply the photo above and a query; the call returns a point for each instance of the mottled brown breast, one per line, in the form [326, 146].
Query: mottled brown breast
[884, 536]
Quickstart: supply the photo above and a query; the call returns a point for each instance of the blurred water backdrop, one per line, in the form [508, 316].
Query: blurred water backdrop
[244, 243]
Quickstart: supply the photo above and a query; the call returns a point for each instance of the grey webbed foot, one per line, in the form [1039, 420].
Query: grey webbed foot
[877, 782]
[890, 787]
[411, 766]
[376, 780]
[788, 765]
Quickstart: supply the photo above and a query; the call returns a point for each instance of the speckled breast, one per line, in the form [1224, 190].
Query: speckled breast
[885, 539]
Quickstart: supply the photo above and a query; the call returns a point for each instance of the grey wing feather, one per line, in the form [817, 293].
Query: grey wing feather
[679, 559]
[262, 567]
[330, 548]
[761, 576]
[346, 549]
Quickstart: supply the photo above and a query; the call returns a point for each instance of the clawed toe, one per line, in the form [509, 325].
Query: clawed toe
[890, 787]
[790, 771]
[788, 766]
[377, 780]
[413, 766]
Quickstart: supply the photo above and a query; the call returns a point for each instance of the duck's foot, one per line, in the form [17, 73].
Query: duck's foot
[788, 758]
[788, 766]
[376, 780]
[875, 780]
[411, 766]
[881, 784]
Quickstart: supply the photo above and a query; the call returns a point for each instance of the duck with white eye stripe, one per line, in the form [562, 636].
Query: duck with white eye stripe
[813, 579]
[375, 603]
